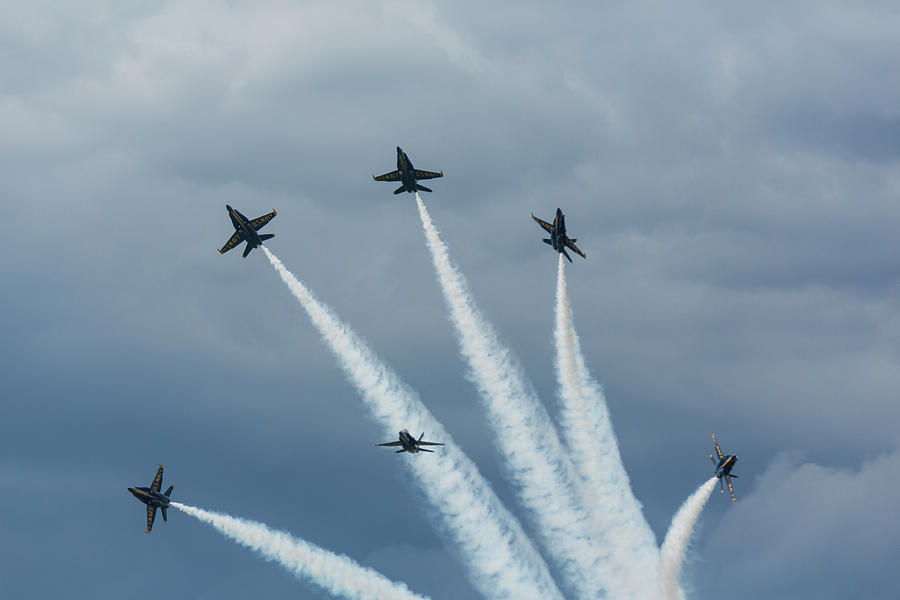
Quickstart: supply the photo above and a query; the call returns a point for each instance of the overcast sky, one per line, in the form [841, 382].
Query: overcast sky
[731, 169]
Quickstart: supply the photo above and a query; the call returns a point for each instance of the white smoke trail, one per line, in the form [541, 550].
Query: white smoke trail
[588, 432]
[671, 555]
[525, 433]
[501, 559]
[334, 573]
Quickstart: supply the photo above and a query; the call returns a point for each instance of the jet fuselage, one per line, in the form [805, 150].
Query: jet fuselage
[407, 171]
[558, 235]
[408, 441]
[248, 234]
[149, 497]
[725, 465]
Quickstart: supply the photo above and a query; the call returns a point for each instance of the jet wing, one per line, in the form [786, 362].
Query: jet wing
[547, 226]
[233, 241]
[390, 444]
[157, 481]
[574, 248]
[427, 174]
[730, 489]
[151, 515]
[392, 176]
[260, 222]
[718, 450]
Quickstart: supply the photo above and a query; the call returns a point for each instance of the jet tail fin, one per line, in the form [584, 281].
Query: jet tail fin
[163, 511]
[400, 190]
[566, 254]
[266, 236]
[422, 188]
[169, 491]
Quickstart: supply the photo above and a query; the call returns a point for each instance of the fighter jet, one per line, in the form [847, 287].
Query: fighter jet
[723, 468]
[245, 231]
[558, 238]
[411, 444]
[152, 497]
[408, 174]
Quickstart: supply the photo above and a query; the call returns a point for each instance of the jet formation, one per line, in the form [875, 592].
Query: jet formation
[153, 498]
[411, 444]
[723, 468]
[246, 230]
[408, 174]
[558, 239]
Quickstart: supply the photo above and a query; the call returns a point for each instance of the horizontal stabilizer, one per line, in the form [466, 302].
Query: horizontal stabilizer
[400, 190]
[425, 450]
[548, 242]
[399, 451]
[566, 254]
[169, 491]
[247, 250]
[266, 236]
[422, 188]
[165, 518]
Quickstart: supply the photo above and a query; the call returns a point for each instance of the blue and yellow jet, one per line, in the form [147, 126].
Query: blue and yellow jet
[153, 498]
[558, 239]
[723, 468]
[246, 230]
[411, 444]
[408, 174]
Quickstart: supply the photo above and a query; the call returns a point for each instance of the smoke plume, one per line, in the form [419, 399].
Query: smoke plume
[525, 434]
[673, 550]
[587, 430]
[334, 573]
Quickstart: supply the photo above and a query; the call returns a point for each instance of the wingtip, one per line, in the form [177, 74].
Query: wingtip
[160, 465]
